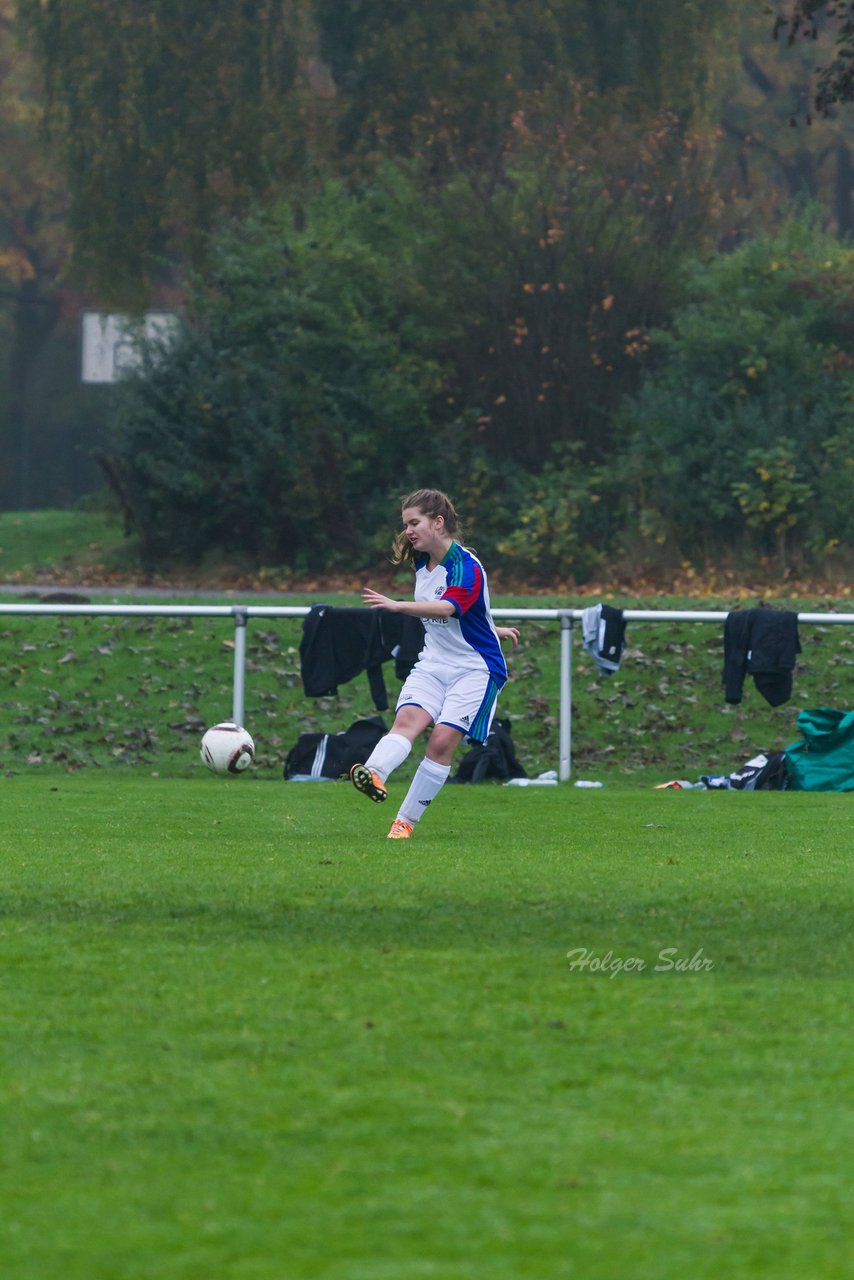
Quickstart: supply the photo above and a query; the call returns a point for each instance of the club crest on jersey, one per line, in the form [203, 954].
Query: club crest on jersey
[440, 591]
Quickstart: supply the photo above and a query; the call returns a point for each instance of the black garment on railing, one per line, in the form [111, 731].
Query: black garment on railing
[339, 643]
[763, 643]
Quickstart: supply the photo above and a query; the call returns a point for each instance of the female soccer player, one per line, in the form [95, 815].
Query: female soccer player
[455, 682]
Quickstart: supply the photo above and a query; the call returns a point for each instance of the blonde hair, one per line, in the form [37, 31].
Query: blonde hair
[431, 503]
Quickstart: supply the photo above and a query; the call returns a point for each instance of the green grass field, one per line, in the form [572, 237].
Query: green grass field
[245, 1037]
[594, 1034]
[32, 542]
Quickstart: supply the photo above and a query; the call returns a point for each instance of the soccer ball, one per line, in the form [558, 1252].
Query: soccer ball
[226, 748]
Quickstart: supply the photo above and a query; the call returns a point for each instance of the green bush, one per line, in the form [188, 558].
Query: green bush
[297, 396]
[774, 499]
[559, 530]
[756, 374]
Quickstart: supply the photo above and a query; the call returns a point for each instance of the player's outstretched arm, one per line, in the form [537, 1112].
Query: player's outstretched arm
[414, 608]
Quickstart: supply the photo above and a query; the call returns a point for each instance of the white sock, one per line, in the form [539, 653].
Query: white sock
[389, 752]
[425, 786]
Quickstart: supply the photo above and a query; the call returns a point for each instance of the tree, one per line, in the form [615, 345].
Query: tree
[562, 269]
[167, 113]
[830, 21]
[443, 79]
[297, 398]
[766, 161]
[757, 371]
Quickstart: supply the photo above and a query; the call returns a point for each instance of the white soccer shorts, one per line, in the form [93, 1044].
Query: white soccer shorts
[465, 700]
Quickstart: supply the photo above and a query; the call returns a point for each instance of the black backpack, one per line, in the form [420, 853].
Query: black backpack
[332, 755]
[495, 758]
[765, 772]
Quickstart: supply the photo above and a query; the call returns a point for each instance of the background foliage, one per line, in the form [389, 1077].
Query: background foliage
[491, 247]
[279, 412]
[745, 421]
[286, 423]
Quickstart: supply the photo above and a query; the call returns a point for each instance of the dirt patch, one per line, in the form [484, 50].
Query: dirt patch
[762, 583]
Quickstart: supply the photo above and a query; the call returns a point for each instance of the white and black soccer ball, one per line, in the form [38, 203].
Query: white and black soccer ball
[227, 748]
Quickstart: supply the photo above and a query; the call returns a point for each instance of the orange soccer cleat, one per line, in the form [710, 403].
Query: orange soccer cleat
[400, 830]
[369, 783]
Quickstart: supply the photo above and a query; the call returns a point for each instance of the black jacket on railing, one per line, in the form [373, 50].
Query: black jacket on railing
[763, 643]
[339, 643]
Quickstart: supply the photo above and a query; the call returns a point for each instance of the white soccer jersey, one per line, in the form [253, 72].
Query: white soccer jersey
[468, 639]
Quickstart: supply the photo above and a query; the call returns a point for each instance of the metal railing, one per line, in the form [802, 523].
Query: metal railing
[241, 614]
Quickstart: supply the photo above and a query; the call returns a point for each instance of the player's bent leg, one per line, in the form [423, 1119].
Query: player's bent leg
[444, 741]
[410, 720]
[389, 752]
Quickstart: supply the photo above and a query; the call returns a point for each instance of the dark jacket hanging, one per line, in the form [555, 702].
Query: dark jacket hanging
[763, 643]
[338, 644]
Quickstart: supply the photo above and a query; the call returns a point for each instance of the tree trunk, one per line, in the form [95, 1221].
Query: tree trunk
[34, 318]
[843, 189]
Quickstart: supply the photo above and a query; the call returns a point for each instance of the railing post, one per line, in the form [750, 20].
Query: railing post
[565, 763]
[239, 689]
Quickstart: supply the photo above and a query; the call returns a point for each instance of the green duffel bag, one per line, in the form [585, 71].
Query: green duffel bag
[824, 759]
